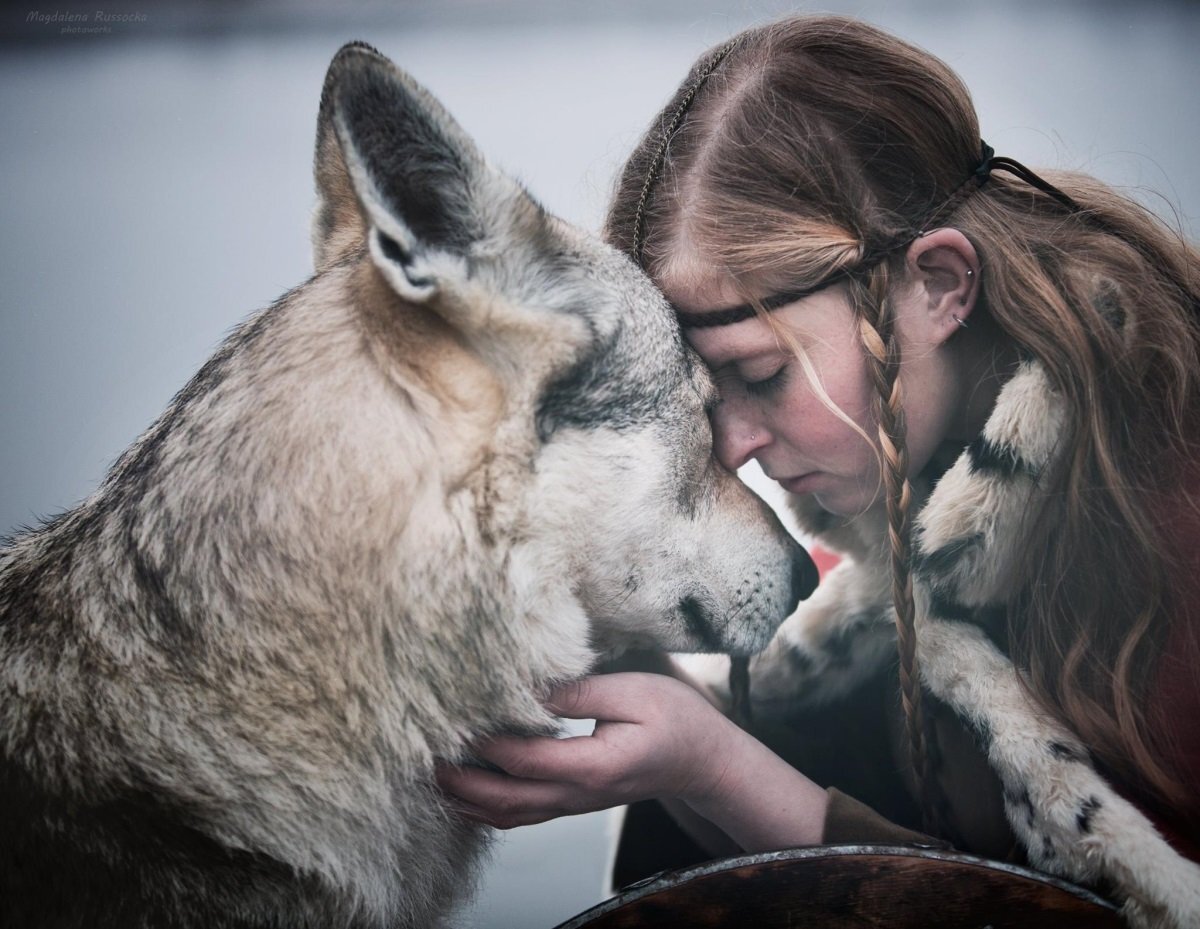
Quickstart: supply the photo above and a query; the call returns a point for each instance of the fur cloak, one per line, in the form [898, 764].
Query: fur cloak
[966, 537]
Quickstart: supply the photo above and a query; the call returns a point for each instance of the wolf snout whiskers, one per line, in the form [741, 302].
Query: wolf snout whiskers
[746, 627]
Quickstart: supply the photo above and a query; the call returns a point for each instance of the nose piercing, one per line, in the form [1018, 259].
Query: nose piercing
[753, 436]
[961, 322]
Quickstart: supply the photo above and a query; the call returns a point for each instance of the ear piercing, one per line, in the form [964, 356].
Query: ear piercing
[958, 319]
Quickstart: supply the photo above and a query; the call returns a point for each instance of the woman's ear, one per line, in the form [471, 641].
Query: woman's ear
[943, 270]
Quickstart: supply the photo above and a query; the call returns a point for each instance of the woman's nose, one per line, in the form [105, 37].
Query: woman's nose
[736, 438]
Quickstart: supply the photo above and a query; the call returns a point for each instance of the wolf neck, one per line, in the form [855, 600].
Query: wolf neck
[502, 647]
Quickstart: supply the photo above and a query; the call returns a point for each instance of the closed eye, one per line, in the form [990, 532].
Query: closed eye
[766, 386]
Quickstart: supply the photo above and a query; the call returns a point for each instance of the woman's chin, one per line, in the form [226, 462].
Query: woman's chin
[844, 503]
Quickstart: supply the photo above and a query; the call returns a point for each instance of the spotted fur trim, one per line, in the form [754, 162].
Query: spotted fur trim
[966, 538]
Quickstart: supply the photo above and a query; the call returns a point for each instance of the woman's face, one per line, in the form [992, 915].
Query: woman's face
[771, 412]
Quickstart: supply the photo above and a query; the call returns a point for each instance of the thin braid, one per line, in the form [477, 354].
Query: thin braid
[883, 365]
[957, 198]
[660, 153]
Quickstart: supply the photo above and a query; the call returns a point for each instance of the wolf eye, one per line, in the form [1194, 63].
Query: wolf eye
[768, 385]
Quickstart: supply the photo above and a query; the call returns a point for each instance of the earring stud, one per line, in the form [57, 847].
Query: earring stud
[960, 321]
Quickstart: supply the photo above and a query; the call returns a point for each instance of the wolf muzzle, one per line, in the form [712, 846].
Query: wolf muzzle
[804, 575]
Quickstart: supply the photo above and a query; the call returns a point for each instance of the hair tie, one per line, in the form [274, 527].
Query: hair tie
[993, 162]
[986, 154]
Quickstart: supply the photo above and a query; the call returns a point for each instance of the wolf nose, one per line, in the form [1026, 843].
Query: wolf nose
[804, 575]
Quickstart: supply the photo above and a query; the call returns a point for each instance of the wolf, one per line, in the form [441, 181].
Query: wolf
[463, 461]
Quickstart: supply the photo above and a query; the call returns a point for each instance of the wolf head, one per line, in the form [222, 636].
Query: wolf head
[586, 443]
[388, 513]
[578, 411]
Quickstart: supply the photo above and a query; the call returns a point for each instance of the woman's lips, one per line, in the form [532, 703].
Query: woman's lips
[800, 484]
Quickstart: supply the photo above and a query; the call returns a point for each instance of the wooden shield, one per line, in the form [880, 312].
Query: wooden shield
[857, 886]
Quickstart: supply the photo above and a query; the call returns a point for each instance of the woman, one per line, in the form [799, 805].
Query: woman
[979, 389]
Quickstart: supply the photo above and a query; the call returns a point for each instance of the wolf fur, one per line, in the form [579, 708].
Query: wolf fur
[967, 538]
[463, 460]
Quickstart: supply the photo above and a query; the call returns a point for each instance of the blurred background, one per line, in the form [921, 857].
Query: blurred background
[155, 189]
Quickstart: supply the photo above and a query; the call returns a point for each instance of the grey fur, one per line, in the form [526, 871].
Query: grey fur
[459, 463]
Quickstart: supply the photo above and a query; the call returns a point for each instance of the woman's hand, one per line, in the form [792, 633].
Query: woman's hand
[654, 738]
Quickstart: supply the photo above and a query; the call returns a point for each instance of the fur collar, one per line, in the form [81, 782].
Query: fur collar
[965, 538]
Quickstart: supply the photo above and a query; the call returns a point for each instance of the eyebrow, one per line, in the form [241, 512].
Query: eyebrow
[731, 362]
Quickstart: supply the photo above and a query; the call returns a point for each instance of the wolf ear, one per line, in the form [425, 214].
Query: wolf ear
[393, 166]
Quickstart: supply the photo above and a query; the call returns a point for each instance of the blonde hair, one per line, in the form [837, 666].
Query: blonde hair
[802, 146]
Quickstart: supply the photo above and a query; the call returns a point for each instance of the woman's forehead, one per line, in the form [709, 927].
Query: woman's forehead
[693, 285]
[818, 317]
[721, 345]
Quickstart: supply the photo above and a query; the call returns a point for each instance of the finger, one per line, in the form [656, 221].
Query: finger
[618, 697]
[651, 661]
[500, 799]
[487, 787]
[467, 810]
[493, 818]
[541, 757]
